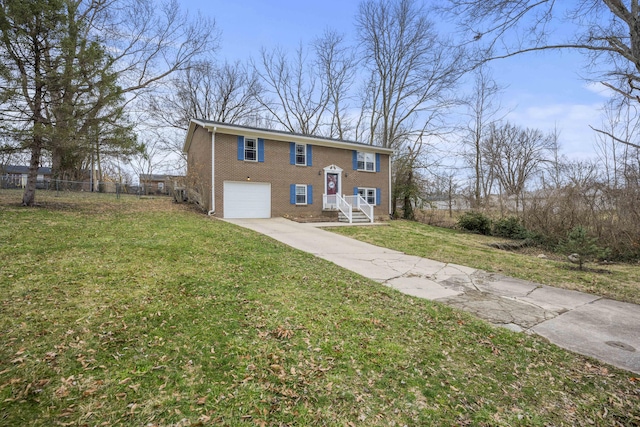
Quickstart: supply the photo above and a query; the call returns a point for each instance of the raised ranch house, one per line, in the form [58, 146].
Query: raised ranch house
[244, 172]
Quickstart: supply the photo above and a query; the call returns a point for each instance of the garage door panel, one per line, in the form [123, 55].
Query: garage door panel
[247, 200]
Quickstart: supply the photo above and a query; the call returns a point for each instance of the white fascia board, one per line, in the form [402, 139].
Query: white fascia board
[286, 137]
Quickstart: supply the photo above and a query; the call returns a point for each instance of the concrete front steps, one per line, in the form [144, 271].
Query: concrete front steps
[358, 217]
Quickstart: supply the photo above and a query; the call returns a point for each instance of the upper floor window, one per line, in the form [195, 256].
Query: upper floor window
[366, 161]
[301, 154]
[250, 150]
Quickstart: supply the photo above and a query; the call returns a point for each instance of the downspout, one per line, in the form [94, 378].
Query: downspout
[390, 186]
[213, 168]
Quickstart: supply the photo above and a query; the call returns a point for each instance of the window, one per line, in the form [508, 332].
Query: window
[250, 150]
[301, 194]
[161, 186]
[369, 194]
[366, 161]
[301, 154]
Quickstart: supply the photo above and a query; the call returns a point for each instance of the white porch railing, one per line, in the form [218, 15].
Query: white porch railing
[347, 205]
[329, 202]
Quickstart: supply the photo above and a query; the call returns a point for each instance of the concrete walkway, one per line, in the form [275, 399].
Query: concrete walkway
[587, 324]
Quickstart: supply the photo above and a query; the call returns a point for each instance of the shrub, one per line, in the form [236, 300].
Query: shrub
[475, 222]
[510, 228]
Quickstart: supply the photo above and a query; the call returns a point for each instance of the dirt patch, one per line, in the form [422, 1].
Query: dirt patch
[587, 269]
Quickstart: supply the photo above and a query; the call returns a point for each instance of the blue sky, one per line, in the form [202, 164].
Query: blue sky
[541, 90]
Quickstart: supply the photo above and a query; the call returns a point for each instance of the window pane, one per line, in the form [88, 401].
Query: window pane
[250, 152]
[301, 194]
[370, 158]
[301, 158]
[371, 196]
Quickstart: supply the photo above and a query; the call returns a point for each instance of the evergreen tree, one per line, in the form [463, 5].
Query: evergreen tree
[578, 242]
[62, 97]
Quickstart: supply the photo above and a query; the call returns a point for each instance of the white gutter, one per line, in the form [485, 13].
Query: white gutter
[390, 210]
[213, 186]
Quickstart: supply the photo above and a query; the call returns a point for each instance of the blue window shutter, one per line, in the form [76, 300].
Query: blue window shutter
[240, 147]
[378, 196]
[309, 194]
[377, 162]
[292, 194]
[355, 160]
[309, 154]
[292, 153]
[355, 191]
[261, 150]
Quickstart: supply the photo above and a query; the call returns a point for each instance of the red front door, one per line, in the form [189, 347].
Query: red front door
[332, 183]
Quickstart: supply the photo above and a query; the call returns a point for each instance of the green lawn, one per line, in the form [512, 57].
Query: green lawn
[140, 312]
[617, 281]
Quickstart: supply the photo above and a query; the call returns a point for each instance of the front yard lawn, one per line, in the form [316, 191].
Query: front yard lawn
[141, 312]
[616, 281]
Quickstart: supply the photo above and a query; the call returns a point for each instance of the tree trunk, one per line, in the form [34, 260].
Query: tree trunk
[477, 194]
[29, 195]
[408, 207]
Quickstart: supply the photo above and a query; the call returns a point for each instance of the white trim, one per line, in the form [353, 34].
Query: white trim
[295, 154]
[333, 169]
[389, 207]
[306, 196]
[279, 136]
[255, 146]
[365, 154]
[213, 173]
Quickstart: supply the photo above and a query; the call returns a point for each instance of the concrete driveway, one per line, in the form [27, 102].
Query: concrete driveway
[587, 324]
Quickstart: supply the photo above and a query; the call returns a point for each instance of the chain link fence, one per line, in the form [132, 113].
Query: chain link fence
[57, 186]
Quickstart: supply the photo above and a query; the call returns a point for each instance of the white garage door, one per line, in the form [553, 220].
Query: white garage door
[247, 200]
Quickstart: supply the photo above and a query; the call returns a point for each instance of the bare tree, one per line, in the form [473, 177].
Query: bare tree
[224, 94]
[515, 155]
[150, 159]
[483, 110]
[411, 73]
[295, 95]
[337, 66]
[606, 31]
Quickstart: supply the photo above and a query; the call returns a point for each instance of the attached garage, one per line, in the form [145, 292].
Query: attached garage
[247, 199]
